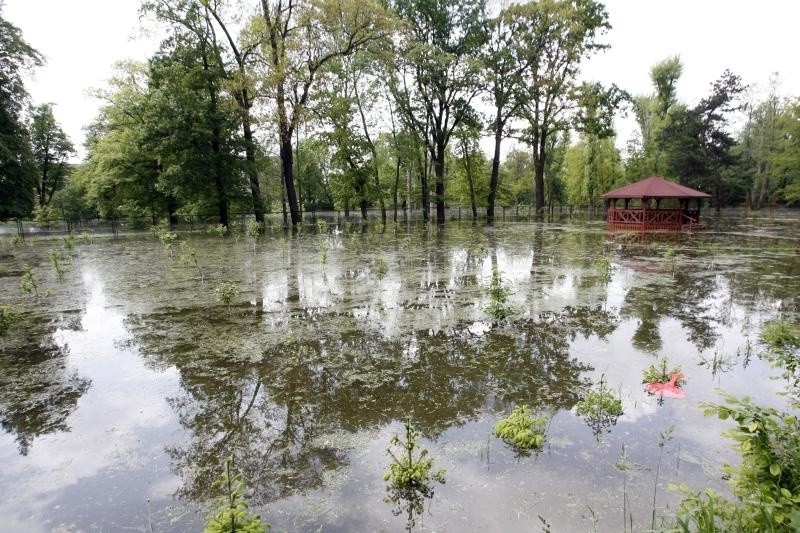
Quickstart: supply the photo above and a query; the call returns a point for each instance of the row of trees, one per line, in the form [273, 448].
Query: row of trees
[352, 104]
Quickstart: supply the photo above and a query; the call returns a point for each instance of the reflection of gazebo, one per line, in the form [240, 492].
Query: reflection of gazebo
[653, 204]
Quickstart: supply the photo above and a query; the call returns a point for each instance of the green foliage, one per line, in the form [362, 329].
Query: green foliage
[767, 482]
[69, 242]
[255, 229]
[411, 467]
[600, 407]
[87, 237]
[658, 373]
[226, 292]
[233, 515]
[498, 308]
[220, 230]
[58, 268]
[322, 226]
[8, 317]
[189, 257]
[782, 342]
[16, 240]
[521, 430]
[381, 268]
[323, 248]
[29, 284]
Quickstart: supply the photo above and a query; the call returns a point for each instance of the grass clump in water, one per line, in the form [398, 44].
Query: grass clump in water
[658, 373]
[600, 407]
[233, 515]
[522, 430]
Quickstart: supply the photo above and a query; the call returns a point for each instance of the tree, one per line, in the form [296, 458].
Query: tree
[564, 33]
[51, 148]
[760, 141]
[697, 142]
[17, 180]
[503, 69]
[436, 76]
[301, 39]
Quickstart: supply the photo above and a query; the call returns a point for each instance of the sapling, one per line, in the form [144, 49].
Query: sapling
[220, 230]
[69, 242]
[56, 262]
[322, 225]
[381, 268]
[233, 514]
[498, 308]
[8, 317]
[29, 284]
[226, 292]
[189, 257]
[600, 407]
[411, 468]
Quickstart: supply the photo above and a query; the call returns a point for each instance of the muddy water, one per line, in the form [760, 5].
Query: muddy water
[126, 385]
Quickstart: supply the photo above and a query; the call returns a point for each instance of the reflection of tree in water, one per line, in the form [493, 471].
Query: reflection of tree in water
[37, 392]
[687, 298]
[284, 417]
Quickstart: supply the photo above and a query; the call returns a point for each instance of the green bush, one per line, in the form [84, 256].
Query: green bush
[522, 430]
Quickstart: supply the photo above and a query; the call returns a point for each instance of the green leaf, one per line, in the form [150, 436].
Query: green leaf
[775, 469]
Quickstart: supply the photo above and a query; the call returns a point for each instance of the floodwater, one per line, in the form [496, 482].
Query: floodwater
[126, 385]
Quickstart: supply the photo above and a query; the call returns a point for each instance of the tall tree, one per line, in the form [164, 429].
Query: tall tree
[697, 140]
[565, 33]
[17, 181]
[301, 38]
[760, 142]
[437, 75]
[503, 67]
[51, 149]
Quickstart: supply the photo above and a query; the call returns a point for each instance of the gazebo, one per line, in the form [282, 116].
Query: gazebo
[653, 204]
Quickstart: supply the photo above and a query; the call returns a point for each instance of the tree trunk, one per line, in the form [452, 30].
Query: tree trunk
[250, 166]
[426, 193]
[438, 169]
[470, 182]
[494, 179]
[538, 175]
[396, 186]
[287, 167]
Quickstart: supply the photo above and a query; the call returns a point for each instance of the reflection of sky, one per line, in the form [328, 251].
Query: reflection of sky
[125, 399]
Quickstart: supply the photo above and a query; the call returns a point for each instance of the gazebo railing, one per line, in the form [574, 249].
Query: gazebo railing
[651, 219]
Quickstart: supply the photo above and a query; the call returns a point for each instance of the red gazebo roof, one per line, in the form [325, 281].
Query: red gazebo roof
[655, 187]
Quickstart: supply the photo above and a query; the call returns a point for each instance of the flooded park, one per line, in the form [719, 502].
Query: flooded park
[138, 365]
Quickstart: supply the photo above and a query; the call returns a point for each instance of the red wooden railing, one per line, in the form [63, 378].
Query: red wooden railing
[652, 219]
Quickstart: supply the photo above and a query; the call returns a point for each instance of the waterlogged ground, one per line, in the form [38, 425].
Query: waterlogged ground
[125, 386]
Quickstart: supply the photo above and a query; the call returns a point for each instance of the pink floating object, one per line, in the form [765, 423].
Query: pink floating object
[669, 389]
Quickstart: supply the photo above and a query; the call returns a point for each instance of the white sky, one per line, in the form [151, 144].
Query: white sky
[82, 39]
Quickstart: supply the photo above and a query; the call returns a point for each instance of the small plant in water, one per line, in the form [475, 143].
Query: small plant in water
[55, 260]
[233, 514]
[255, 229]
[189, 257]
[323, 248]
[411, 468]
[69, 242]
[226, 292]
[322, 225]
[29, 284]
[658, 373]
[16, 240]
[8, 317]
[87, 237]
[498, 308]
[522, 430]
[220, 230]
[782, 342]
[381, 268]
[600, 407]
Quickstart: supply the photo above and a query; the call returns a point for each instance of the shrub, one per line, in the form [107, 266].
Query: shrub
[521, 430]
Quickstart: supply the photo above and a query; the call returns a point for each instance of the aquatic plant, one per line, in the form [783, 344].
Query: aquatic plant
[411, 468]
[766, 484]
[69, 242]
[658, 373]
[605, 267]
[521, 429]
[323, 256]
[600, 407]
[498, 308]
[663, 437]
[226, 292]
[255, 229]
[322, 225]
[55, 260]
[29, 284]
[87, 237]
[381, 268]
[220, 230]
[8, 317]
[233, 514]
[189, 257]
[17, 240]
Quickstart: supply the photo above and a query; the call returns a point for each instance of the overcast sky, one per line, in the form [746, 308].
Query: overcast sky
[82, 39]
